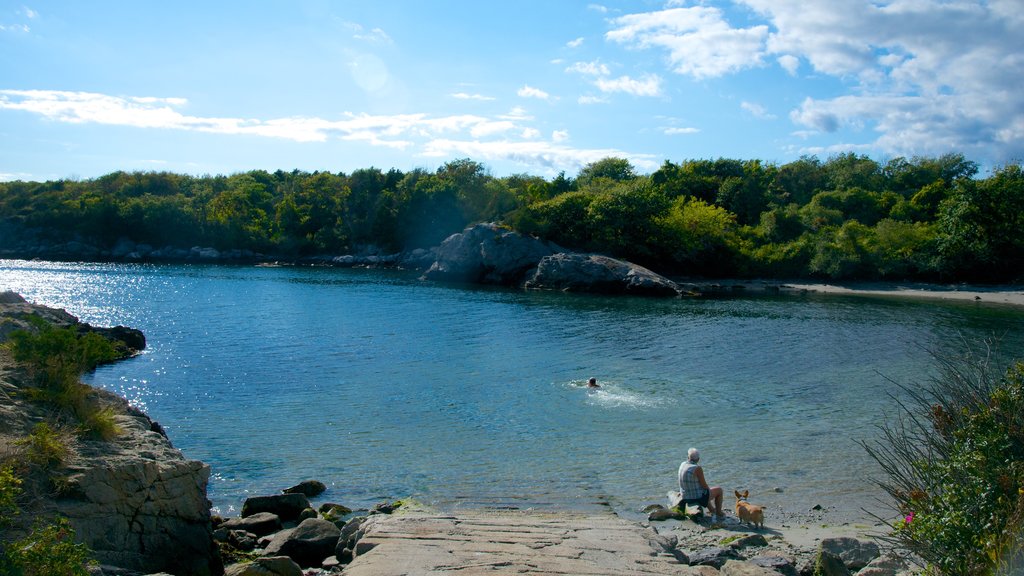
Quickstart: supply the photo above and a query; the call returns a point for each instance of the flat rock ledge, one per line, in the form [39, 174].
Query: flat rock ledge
[510, 542]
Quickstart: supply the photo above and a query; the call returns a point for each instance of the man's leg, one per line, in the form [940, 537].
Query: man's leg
[716, 495]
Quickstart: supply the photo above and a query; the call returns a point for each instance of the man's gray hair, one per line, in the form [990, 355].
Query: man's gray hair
[693, 455]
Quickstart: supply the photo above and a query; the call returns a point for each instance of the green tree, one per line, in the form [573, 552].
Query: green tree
[617, 169]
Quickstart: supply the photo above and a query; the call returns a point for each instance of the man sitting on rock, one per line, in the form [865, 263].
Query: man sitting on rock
[694, 489]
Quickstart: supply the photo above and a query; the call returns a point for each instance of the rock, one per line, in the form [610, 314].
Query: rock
[266, 566]
[662, 514]
[335, 510]
[385, 507]
[307, 514]
[242, 540]
[350, 534]
[829, 564]
[309, 488]
[308, 543]
[489, 254]
[288, 507]
[780, 564]
[11, 297]
[596, 273]
[260, 523]
[887, 565]
[855, 554]
[740, 568]
[748, 540]
[716, 557]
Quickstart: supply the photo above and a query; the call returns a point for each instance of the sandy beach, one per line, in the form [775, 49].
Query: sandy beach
[1002, 294]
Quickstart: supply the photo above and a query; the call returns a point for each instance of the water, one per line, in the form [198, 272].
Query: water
[383, 386]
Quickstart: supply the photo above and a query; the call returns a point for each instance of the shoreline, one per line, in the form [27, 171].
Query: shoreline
[1009, 294]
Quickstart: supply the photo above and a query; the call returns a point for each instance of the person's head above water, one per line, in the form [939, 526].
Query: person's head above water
[693, 455]
[592, 382]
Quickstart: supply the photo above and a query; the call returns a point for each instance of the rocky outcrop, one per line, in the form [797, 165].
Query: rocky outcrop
[288, 507]
[597, 273]
[488, 254]
[308, 544]
[135, 500]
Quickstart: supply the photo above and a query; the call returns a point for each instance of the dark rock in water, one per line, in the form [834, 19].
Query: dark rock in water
[600, 274]
[489, 254]
[133, 339]
[308, 544]
[266, 566]
[307, 514]
[310, 488]
[288, 507]
[260, 523]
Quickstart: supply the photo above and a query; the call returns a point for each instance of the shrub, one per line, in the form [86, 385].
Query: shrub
[56, 358]
[954, 465]
[45, 446]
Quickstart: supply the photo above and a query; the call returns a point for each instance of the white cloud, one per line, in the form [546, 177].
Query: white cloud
[466, 96]
[921, 76]
[517, 113]
[373, 36]
[649, 85]
[530, 134]
[548, 155]
[29, 13]
[589, 99]
[699, 41]
[598, 8]
[12, 176]
[595, 68]
[575, 43]
[15, 28]
[530, 92]
[482, 129]
[757, 110]
[673, 131]
[559, 136]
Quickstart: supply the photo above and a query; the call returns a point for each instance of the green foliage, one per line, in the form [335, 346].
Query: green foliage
[56, 358]
[954, 465]
[48, 550]
[45, 446]
[965, 228]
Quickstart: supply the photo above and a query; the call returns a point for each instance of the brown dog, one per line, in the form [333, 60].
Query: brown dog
[747, 512]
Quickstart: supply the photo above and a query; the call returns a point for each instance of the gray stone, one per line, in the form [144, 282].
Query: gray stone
[716, 557]
[307, 514]
[600, 274]
[308, 543]
[310, 488]
[662, 514]
[242, 540]
[829, 564]
[748, 540]
[260, 523]
[266, 566]
[286, 506]
[854, 553]
[780, 564]
[887, 565]
[740, 568]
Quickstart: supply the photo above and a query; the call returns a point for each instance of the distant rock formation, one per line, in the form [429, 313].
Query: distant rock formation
[596, 273]
[488, 254]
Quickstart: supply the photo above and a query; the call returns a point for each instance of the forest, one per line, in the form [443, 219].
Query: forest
[845, 217]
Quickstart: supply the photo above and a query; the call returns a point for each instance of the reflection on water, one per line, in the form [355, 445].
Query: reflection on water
[384, 386]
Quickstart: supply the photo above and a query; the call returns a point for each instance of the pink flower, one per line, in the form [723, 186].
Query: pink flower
[909, 518]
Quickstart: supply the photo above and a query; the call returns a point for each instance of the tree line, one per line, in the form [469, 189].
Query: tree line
[846, 217]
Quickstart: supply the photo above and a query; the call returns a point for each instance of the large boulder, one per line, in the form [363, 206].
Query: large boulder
[267, 566]
[596, 273]
[308, 544]
[855, 554]
[310, 488]
[488, 254]
[288, 507]
[260, 523]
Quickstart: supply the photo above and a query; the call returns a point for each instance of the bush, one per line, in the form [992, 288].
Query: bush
[56, 358]
[45, 446]
[48, 550]
[954, 465]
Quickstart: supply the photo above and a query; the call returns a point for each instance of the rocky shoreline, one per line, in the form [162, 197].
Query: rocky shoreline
[141, 506]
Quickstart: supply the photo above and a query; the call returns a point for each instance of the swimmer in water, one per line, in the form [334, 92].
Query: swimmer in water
[592, 383]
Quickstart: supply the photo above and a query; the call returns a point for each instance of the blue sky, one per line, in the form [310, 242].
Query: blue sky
[530, 86]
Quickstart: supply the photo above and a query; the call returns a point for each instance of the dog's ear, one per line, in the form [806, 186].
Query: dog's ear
[746, 493]
[737, 493]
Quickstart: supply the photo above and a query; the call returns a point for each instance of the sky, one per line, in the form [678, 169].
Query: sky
[523, 87]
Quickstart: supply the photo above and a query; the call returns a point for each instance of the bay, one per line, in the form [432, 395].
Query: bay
[384, 386]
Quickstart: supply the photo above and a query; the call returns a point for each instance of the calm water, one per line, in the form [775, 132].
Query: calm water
[383, 386]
